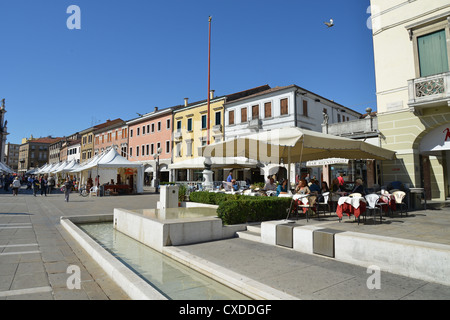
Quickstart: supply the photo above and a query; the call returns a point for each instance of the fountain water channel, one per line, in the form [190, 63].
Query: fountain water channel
[171, 278]
[137, 238]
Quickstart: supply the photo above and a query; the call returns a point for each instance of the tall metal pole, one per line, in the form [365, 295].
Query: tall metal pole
[209, 80]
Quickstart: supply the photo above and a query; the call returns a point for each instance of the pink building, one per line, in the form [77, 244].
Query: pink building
[111, 133]
[149, 136]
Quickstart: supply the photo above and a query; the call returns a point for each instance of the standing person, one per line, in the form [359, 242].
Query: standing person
[16, 186]
[67, 189]
[35, 185]
[341, 179]
[230, 177]
[43, 186]
[50, 184]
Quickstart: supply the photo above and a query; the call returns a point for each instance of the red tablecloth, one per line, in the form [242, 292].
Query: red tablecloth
[390, 202]
[350, 210]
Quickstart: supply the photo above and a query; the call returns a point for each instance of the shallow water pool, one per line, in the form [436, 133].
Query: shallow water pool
[171, 278]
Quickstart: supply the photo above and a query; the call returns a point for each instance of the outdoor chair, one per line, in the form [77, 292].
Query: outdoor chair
[373, 205]
[227, 185]
[323, 203]
[355, 195]
[399, 196]
[93, 191]
[308, 207]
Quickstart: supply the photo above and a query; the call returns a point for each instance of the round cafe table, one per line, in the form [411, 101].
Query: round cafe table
[351, 206]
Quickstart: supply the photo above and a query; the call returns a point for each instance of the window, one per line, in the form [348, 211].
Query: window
[131, 133]
[178, 154]
[231, 117]
[143, 150]
[255, 112]
[283, 106]
[143, 130]
[167, 146]
[152, 148]
[137, 131]
[244, 115]
[148, 128]
[148, 149]
[218, 118]
[168, 123]
[189, 148]
[131, 152]
[268, 110]
[179, 126]
[159, 126]
[189, 124]
[204, 125]
[339, 118]
[305, 108]
[153, 127]
[432, 51]
[137, 151]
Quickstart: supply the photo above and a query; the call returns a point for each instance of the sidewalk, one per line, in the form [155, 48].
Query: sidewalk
[35, 253]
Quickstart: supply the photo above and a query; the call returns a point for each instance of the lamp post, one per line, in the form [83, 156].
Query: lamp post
[156, 177]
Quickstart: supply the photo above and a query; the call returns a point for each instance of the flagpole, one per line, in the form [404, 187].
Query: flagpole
[209, 80]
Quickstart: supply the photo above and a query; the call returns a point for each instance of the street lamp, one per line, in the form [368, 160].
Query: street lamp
[156, 177]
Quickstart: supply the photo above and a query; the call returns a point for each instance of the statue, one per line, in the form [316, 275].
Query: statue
[325, 118]
[3, 103]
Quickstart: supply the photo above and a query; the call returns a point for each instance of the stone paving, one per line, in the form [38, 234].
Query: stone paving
[35, 253]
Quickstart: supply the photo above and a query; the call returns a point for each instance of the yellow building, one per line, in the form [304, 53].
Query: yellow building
[191, 132]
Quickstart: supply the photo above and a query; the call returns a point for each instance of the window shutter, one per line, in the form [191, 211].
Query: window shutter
[433, 58]
[268, 110]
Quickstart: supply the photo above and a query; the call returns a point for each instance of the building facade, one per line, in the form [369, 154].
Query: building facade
[34, 153]
[191, 131]
[110, 133]
[411, 48]
[12, 155]
[280, 107]
[150, 143]
[3, 129]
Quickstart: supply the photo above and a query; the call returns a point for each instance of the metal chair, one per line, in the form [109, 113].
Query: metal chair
[399, 196]
[324, 203]
[372, 204]
[311, 205]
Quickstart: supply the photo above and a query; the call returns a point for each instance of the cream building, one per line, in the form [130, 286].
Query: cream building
[411, 48]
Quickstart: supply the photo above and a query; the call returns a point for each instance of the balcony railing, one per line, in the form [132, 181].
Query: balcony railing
[429, 91]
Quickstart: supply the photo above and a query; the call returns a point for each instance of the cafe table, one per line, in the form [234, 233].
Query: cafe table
[355, 206]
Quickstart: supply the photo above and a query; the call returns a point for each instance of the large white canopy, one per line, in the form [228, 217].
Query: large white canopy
[295, 145]
[4, 168]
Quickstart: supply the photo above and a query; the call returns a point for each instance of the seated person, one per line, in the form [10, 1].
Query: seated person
[302, 187]
[234, 184]
[359, 188]
[314, 187]
[270, 186]
[282, 187]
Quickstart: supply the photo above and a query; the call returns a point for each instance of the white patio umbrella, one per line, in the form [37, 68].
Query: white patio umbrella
[293, 144]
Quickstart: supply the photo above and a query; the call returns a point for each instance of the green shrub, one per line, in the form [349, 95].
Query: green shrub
[211, 197]
[253, 209]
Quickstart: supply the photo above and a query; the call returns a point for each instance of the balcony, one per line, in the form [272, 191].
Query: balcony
[217, 128]
[427, 92]
[178, 135]
[255, 124]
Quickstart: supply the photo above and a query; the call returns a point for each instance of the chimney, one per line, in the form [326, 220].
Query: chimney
[156, 109]
[211, 94]
[186, 101]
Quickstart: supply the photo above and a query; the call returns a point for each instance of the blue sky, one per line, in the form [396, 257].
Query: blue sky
[132, 55]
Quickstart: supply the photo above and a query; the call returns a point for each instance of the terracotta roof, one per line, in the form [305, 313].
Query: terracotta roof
[108, 123]
[45, 140]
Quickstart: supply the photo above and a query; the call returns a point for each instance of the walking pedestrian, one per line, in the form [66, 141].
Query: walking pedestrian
[43, 186]
[35, 185]
[67, 189]
[15, 186]
[50, 184]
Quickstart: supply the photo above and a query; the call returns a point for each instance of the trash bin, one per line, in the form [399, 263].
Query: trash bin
[101, 192]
